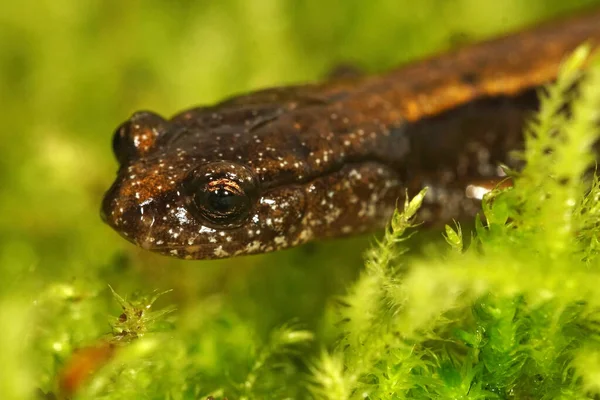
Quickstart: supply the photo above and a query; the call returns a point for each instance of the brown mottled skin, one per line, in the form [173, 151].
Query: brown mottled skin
[284, 166]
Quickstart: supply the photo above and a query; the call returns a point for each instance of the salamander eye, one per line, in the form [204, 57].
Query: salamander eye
[222, 194]
[222, 202]
[137, 136]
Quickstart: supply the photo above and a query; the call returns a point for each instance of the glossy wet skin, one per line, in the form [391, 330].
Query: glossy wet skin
[281, 167]
[202, 189]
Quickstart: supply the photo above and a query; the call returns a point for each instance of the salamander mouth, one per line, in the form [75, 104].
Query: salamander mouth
[148, 242]
[204, 250]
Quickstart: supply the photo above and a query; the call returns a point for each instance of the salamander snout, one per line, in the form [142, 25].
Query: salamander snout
[208, 210]
[132, 220]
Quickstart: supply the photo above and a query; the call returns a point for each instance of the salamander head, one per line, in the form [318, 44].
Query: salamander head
[172, 201]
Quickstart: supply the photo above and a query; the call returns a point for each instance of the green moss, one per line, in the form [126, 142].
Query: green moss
[515, 314]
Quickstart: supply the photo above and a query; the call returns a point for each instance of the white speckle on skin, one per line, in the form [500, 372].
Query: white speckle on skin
[476, 192]
[254, 246]
[181, 215]
[354, 174]
[280, 240]
[333, 215]
[219, 252]
[305, 235]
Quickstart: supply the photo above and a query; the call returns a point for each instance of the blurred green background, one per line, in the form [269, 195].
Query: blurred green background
[71, 71]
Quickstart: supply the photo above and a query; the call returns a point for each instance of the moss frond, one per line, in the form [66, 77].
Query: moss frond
[509, 315]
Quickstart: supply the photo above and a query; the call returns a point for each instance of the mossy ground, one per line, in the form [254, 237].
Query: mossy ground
[513, 315]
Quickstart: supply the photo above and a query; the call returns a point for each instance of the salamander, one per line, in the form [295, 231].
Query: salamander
[284, 166]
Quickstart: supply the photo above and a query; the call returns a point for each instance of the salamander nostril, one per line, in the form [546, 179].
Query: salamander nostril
[106, 208]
